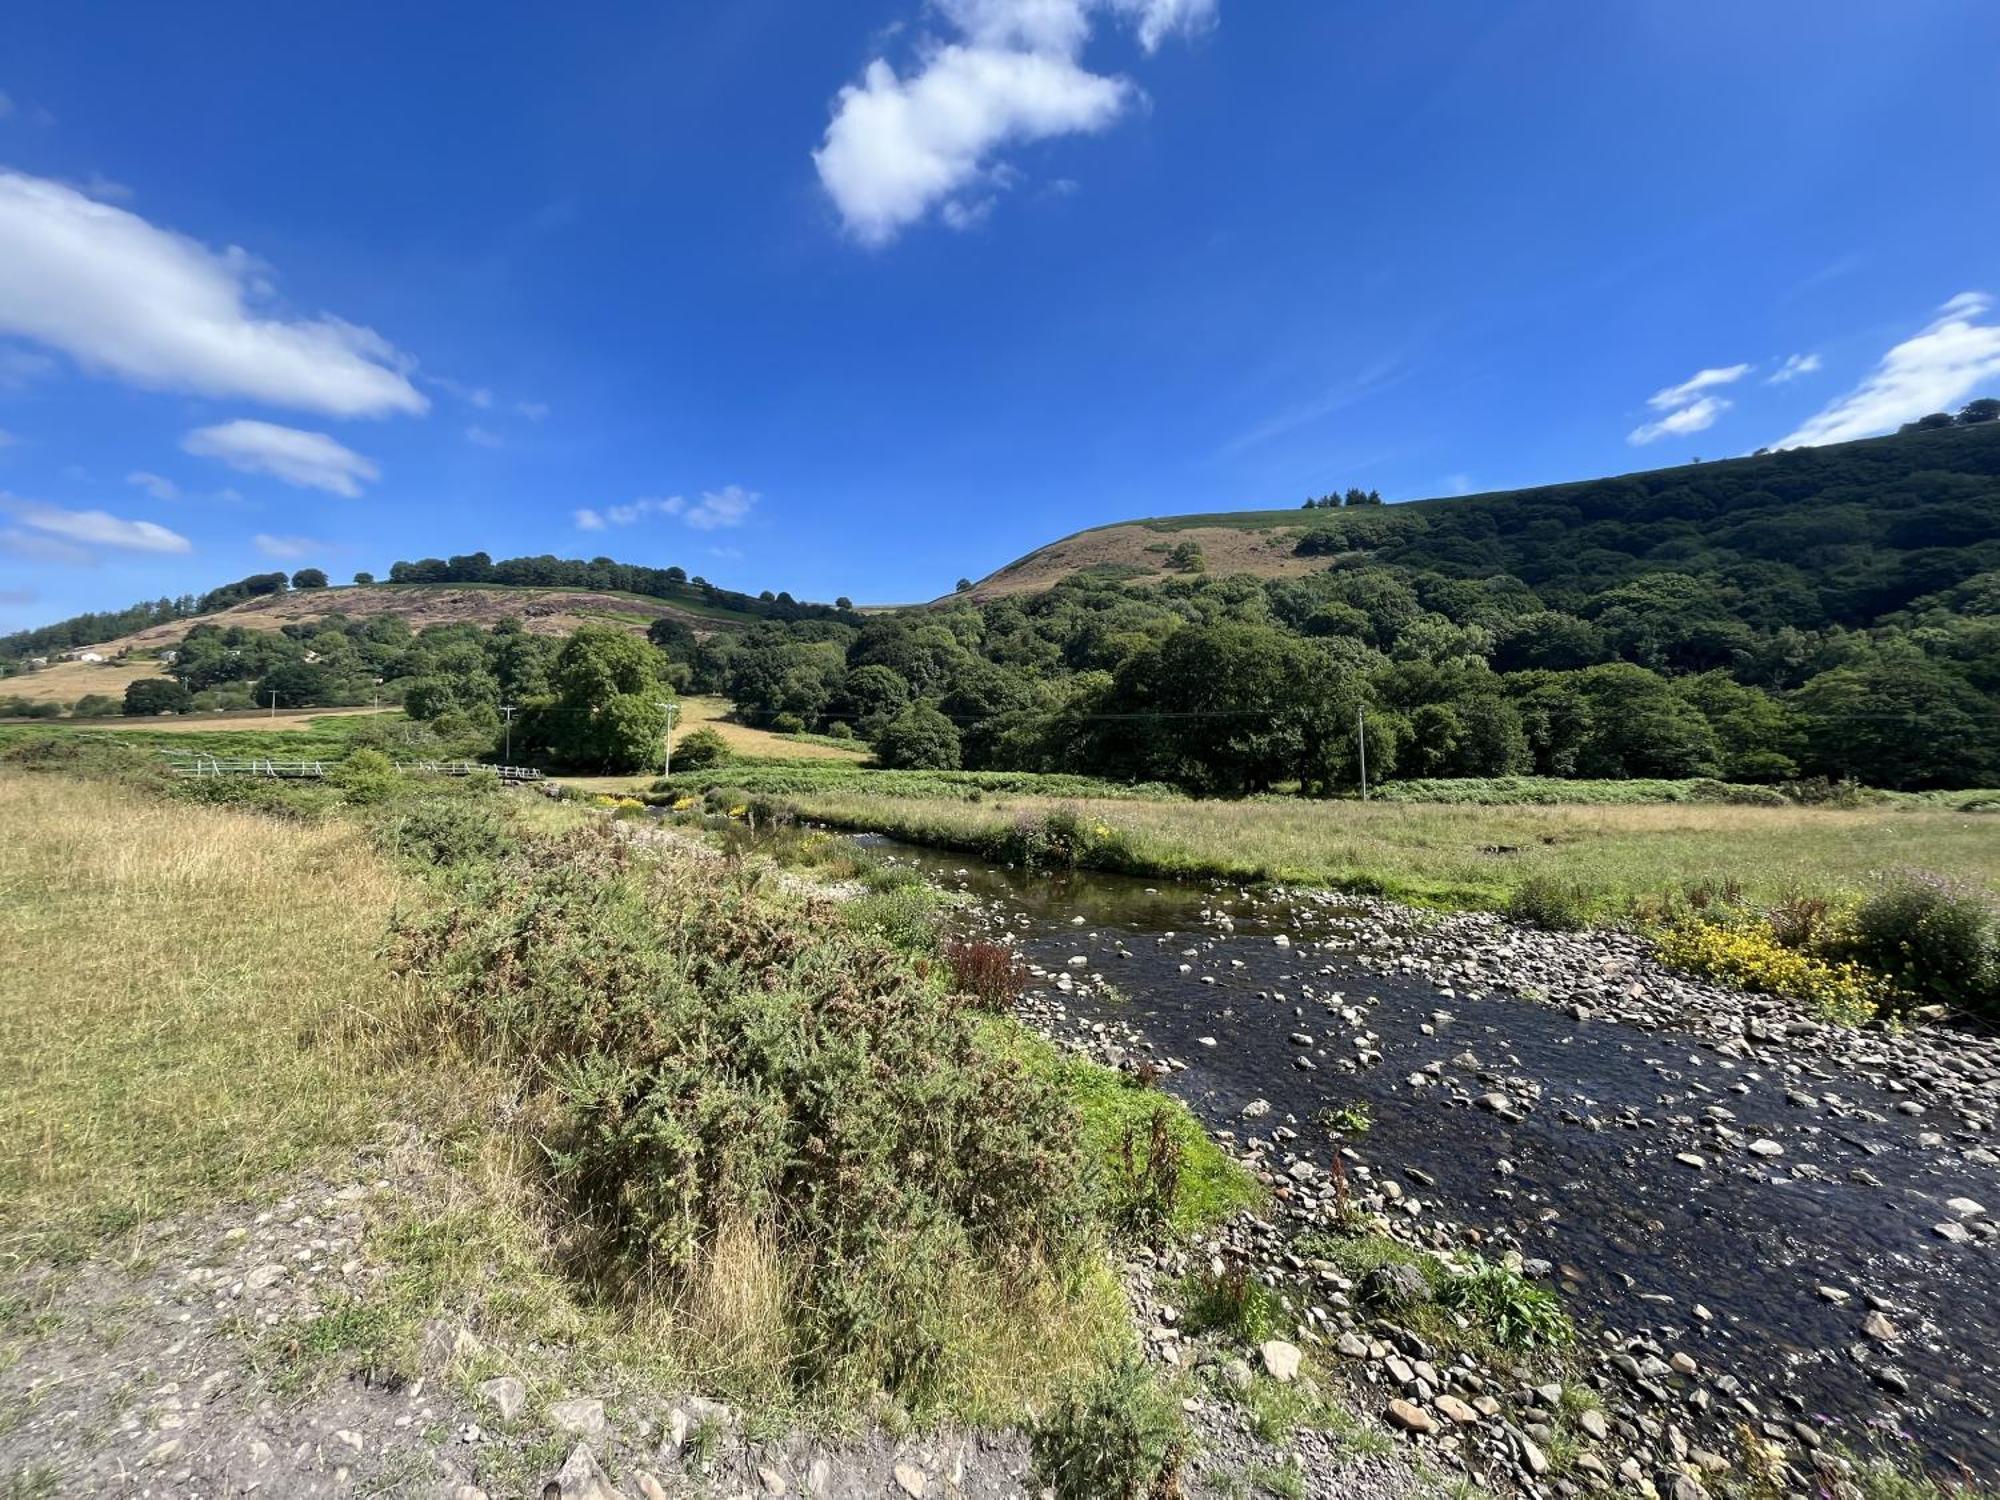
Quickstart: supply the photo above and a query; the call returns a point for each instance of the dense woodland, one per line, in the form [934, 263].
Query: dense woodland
[1822, 612]
[1819, 612]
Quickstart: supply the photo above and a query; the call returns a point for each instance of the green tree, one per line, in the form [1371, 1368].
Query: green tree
[607, 705]
[919, 739]
[157, 695]
[309, 578]
[364, 578]
[1897, 719]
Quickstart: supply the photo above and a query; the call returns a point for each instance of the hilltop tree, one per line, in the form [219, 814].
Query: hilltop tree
[1985, 409]
[364, 578]
[309, 578]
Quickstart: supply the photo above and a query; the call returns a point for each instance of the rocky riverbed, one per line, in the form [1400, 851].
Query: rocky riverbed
[1769, 1223]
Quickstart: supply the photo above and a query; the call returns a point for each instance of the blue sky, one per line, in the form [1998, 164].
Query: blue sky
[857, 298]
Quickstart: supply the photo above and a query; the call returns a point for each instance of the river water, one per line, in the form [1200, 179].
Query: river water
[1592, 1182]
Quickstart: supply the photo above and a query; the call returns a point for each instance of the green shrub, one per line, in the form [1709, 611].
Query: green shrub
[903, 915]
[1933, 940]
[700, 750]
[1747, 953]
[366, 777]
[1516, 1313]
[709, 1068]
[787, 723]
[1234, 1301]
[1117, 1437]
[446, 830]
[1554, 905]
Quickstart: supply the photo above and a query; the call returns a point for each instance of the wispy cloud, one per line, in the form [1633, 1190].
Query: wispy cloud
[534, 411]
[1377, 377]
[286, 548]
[1932, 371]
[1685, 406]
[1794, 366]
[124, 297]
[311, 460]
[480, 437]
[157, 485]
[715, 510]
[901, 145]
[63, 534]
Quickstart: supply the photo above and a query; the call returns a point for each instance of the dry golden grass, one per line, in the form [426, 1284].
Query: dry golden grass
[183, 1007]
[285, 721]
[67, 681]
[754, 744]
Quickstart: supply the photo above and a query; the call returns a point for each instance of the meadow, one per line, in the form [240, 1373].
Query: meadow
[1455, 854]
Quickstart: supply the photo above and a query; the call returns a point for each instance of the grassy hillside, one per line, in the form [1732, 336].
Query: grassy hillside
[1872, 523]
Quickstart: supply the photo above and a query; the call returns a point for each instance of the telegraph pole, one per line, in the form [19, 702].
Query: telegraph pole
[507, 755]
[1361, 740]
[274, 703]
[667, 759]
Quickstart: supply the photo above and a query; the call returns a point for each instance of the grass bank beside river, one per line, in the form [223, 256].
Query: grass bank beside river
[1452, 854]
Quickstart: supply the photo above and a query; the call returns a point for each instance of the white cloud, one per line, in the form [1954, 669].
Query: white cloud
[122, 296]
[534, 411]
[91, 528]
[33, 547]
[729, 506]
[286, 548]
[6, 105]
[1693, 417]
[1687, 409]
[311, 460]
[157, 485]
[472, 395]
[1932, 371]
[1794, 366]
[1680, 395]
[479, 437]
[715, 510]
[7, 439]
[898, 146]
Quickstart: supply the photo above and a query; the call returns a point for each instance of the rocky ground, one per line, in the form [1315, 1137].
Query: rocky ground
[1635, 1412]
[191, 1365]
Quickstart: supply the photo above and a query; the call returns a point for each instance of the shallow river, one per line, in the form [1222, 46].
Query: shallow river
[1637, 1238]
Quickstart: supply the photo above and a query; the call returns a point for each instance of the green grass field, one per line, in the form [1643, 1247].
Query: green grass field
[1460, 854]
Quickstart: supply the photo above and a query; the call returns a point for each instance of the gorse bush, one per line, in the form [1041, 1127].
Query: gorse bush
[445, 829]
[1746, 952]
[1935, 942]
[720, 1080]
[1115, 1437]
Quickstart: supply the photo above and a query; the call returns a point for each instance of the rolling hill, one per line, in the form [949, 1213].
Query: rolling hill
[1866, 526]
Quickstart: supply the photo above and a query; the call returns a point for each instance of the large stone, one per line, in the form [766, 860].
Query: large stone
[1395, 1285]
[910, 1480]
[1409, 1416]
[584, 1418]
[1281, 1360]
[1457, 1411]
[506, 1395]
[583, 1478]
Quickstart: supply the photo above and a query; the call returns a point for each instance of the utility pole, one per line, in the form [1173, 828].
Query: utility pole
[507, 755]
[274, 703]
[667, 760]
[1361, 740]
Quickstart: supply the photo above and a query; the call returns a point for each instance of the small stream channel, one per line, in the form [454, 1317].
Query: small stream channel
[1592, 1180]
